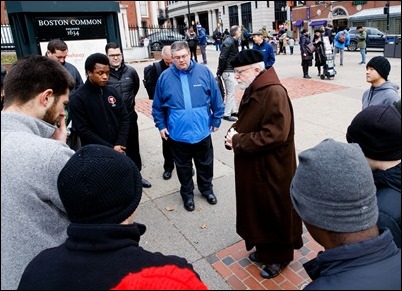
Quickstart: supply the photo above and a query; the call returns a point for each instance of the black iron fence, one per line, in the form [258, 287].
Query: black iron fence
[157, 36]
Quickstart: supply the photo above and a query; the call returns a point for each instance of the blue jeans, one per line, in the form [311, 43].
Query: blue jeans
[363, 54]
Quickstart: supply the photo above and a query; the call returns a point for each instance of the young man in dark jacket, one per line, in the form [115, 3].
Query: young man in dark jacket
[334, 193]
[377, 130]
[230, 48]
[127, 83]
[100, 190]
[98, 112]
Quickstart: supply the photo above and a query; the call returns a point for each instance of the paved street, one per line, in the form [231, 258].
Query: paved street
[207, 236]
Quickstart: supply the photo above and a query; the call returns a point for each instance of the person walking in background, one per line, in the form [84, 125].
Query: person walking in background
[126, 81]
[264, 47]
[319, 54]
[225, 69]
[226, 33]
[341, 40]
[57, 50]
[284, 40]
[202, 42]
[361, 43]
[377, 130]
[217, 36]
[291, 44]
[265, 161]
[381, 91]
[334, 193]
[98, 112]
[33, 152]
[192, 40]
[244, 38]
[306, 56]
[187, 108]
[101, 190]
[164, 63]
[329, 32]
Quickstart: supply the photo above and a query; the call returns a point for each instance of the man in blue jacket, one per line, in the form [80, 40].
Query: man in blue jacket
[264, 47]
[187, 108]
[334, 193]
[202, 42]
[341, 41]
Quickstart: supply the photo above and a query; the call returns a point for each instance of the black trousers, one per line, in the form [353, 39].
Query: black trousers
[168, 164]
[133, 144]
[203, 155]
[193, 51]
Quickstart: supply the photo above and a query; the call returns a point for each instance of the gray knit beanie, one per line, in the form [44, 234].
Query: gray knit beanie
[333, 188]
[99, 185]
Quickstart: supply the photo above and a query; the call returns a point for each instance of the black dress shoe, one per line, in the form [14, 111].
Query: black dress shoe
[145, 184]
[167, 175]
[254, 258]
[189, 205]
[211, 198]
[230, 118]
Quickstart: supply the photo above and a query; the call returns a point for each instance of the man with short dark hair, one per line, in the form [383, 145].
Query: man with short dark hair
[57, 49]
[98, 112]
[230, 47]
[126, 81]
[33, 152]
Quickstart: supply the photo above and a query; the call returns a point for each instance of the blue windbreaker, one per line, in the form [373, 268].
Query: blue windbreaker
[188, 117]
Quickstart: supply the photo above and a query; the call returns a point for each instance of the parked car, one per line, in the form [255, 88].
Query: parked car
[375, 38]
[159, 39]
[210, 40]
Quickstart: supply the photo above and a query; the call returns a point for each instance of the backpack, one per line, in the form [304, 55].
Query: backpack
[149, 82]
[341, 37]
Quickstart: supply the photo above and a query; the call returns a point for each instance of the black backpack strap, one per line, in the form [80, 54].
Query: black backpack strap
[158, 68]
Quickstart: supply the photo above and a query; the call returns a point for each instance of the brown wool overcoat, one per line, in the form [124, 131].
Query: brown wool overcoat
[265, 162]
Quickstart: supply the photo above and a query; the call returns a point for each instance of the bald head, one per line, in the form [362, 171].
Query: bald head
[167, 55]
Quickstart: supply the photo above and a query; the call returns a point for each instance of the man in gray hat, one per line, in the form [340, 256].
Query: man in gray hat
[333, 191]
[265, 47]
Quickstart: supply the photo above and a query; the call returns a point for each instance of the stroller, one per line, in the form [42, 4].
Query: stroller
[329, 67]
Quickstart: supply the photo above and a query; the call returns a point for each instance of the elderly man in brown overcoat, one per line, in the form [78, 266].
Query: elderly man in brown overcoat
[265, 161]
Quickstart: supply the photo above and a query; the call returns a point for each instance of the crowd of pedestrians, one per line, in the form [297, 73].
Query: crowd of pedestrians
[80, 205]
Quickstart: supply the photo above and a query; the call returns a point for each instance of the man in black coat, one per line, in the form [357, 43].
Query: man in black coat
[127, 83]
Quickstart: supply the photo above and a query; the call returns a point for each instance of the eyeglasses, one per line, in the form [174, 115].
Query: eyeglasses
[114, 56]
[239, 72]
[178, 58]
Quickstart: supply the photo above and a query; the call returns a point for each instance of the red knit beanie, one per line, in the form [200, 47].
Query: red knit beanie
[168, 277]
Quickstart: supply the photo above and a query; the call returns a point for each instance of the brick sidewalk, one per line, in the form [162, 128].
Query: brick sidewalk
[232, 263]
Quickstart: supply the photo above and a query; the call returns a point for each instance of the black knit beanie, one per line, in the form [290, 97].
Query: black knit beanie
[381, 65]
[99, 185]
[377, 130]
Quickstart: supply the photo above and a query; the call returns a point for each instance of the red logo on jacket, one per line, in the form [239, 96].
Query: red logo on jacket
[111, 101]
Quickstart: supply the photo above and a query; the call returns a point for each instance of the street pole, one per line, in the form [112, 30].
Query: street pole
[388, 17]
[188, 16]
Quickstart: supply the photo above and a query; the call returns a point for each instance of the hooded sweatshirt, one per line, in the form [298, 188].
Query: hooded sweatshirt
[386, 93]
